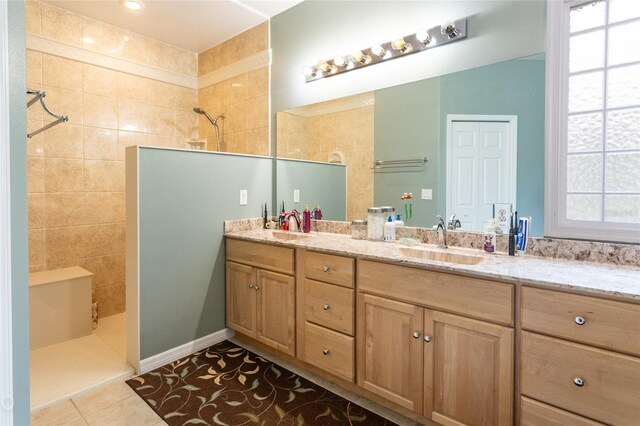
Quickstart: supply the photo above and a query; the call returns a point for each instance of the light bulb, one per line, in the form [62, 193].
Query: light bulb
[378, 50]
[449, 30]
[309, 71]
[323, 66]
[134, 5]
[358, 56]
[339, 61]
[400, 44]
[423, 36]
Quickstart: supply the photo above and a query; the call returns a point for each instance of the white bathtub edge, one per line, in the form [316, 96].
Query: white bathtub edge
[181, 351]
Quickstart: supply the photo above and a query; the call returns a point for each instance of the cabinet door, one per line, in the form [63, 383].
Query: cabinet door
[276, 311]
[389, 353]
[468, 371]
[241, 298]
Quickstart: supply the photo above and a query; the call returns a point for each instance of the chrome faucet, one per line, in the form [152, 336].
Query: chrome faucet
[453, 223]
[442, 242]
[296, 215]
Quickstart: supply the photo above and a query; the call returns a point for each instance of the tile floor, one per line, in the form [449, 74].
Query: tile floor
[63, 371]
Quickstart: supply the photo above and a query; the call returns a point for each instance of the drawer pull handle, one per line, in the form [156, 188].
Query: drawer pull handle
[325, 268]
[325, 307]
[578, 382]
[325, 352]
[580, 320]
[415, 335]
[427, 339]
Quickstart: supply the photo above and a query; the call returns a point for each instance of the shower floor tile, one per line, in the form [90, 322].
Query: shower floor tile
[68, 369]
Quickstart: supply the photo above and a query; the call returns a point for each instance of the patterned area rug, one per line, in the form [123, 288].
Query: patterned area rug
[229, 385]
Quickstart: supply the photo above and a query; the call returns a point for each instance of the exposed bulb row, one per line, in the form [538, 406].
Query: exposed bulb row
[365, 57]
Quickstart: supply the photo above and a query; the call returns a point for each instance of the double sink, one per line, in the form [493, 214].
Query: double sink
[449, 255]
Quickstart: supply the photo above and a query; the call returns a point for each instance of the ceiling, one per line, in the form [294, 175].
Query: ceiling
[191, 25]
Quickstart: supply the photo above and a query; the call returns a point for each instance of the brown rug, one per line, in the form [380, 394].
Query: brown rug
[229, 385]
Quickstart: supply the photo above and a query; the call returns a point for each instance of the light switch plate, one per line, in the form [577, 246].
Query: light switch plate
[427, 194]
[296, 195]
[243, 197]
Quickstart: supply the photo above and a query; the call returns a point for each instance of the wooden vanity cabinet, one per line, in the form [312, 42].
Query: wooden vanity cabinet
[261, 302]
[453, 369]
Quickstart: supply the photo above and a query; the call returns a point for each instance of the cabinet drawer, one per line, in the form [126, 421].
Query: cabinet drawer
[329, 350]
[474, 297]
[610, 382]
[329, 268]
[606, 323]
[329, 305]
[534, 413]
[274, 258]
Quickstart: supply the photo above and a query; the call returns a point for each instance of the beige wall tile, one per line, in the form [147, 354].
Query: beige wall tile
[132, 87]
[34, 66]
[35, 174]
[134, 48]
[35, 207]
[63, 102]
[237, 89]
[35, 144]
[233, 142]
[258, 141]
[105, 239]
[61, 73]
[258, 113]
[111, 301]
[61, 25]
[258, 82]
[104, 176]
[126, 139]
[99, 81]
[162, 94]
[107, 270]
[186, 124]
[64, 244]
[37, 249]
[257, 38]
[132, 116]
[65, 209]
[100, 144]
[33, 17]
[185, 98]
[63, 141]
[237, 118]
[100, 111]
[63, 175]
[162, 121]
[105, 207]
[100, 37]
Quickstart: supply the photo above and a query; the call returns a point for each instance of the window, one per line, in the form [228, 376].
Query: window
[592, 182]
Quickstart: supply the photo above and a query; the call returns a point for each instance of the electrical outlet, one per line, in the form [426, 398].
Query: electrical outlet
[296, 195]
[427, 194]
[243, 197]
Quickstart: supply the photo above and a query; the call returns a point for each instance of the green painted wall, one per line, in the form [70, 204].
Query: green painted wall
[184, 199]
[406, 120]
[319, 183]
[410, 122]
[19, 253]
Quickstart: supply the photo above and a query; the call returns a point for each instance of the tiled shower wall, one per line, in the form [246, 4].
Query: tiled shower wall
[349, 132]
[76, 169]
[244, 98]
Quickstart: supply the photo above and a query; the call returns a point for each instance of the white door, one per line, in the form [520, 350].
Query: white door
[480, 168]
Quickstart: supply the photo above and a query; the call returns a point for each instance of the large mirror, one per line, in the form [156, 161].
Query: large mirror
[458, 142]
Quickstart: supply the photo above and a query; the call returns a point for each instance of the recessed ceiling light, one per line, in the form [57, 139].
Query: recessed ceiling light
[134, 5]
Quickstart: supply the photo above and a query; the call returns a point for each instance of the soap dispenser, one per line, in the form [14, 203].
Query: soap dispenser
[390, 230]
[306, 220]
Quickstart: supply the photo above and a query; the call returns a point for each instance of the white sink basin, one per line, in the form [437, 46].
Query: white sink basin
[291, 235]
[442, 255]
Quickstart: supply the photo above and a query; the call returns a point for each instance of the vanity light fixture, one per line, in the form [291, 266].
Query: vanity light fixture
[421, 40]
[134, 5]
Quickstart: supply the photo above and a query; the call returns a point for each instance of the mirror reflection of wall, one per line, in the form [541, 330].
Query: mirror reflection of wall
[410, 122]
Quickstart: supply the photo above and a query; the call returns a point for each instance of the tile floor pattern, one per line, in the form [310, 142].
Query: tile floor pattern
[59, 372]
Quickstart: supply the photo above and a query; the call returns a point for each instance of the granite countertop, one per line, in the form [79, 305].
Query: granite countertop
[600, 279]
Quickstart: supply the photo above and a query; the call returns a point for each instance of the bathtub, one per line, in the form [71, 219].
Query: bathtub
[59, 305]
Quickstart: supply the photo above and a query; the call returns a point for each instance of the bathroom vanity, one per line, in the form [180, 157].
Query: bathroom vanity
[509, 340]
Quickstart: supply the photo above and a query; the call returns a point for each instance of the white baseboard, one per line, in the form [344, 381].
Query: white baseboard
[176, 353]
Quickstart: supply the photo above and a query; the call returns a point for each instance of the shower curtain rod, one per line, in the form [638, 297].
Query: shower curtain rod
[39, 95]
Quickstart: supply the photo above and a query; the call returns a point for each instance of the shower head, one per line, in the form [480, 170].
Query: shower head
[213, 121]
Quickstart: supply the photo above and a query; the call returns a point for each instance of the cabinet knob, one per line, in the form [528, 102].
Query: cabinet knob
[256, 287]
[325, 352]
[415, 334]
[325, 307]
[578, 382]
[251, 286]
[427, 339]
[325, 268]
[580, 320]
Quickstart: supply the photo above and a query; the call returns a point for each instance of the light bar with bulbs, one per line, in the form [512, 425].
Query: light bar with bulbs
[420, 40]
